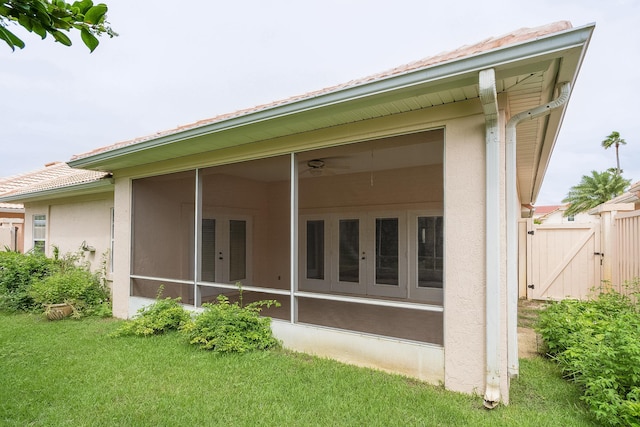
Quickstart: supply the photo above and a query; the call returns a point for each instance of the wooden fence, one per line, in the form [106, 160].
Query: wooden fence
[626, 266]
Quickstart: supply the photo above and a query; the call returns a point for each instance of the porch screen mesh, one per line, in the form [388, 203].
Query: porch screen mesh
[163, 226]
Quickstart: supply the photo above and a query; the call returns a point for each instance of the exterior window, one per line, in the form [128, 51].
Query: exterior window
[571, 218]
[39, 233]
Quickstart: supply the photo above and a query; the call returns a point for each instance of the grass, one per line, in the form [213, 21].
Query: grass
[69, 373]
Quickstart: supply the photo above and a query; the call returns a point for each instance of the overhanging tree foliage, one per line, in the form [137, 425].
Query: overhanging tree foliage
[52, 17]
[594, 190]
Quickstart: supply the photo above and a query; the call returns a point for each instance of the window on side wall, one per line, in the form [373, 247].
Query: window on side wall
[39, 233]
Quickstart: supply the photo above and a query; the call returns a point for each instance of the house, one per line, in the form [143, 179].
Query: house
[554, 214]
[65, 208]
[11, 226]
[380, 212]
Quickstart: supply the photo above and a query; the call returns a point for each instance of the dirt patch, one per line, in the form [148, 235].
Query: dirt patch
[529, 342]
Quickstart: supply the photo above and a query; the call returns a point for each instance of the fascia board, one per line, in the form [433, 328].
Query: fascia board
[423, 77]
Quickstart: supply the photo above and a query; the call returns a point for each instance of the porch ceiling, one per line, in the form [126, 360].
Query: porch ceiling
[527, 75]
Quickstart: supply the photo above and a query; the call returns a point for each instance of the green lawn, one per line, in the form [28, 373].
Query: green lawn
[71, 373]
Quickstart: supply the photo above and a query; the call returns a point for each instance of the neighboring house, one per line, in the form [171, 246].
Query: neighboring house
[71, 209]
[554, 214]
[11, 226]
[380, 213]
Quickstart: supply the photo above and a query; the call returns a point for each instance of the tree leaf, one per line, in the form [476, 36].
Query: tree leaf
[89, 39]
[39, 29]
[95, 15]
[11, 39]
[25, 21]
[83, 5]
[61, 37]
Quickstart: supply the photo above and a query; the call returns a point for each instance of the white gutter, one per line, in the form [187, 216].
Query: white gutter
[513, 209]
[489, 99]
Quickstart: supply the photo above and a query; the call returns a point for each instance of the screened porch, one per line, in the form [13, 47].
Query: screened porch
[348, 237]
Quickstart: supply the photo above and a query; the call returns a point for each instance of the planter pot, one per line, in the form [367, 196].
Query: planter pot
[57, 311]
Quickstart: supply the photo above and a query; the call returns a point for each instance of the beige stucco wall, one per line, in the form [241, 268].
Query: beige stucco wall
[464, 291]
[72, 221]
[464, 217]
[122, 247]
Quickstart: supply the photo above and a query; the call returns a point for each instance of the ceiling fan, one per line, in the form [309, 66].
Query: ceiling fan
[319, 167]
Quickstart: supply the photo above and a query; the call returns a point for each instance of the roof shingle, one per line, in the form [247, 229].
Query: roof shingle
[52, 176]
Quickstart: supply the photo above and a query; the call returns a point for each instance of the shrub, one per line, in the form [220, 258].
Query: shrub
[76, 286]
[17, 272]
[231, 328]
[162, 316]
[596, 344]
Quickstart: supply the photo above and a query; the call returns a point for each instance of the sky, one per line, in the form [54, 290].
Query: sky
[175, 63]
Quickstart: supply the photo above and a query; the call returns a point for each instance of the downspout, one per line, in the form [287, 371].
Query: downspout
[513, 209]
[489, 99]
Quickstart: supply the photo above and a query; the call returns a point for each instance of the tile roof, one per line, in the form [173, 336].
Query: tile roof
[8, 207]
[519, 36]
[52, 176]
[544, 210]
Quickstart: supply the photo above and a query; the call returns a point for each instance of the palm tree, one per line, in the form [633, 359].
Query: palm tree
[594, 190]
[614, 140]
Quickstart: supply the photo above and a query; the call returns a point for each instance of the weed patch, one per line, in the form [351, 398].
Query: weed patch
[596, 345]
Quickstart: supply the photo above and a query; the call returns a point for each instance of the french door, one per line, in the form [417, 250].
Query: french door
[362, 254]
[225, 250]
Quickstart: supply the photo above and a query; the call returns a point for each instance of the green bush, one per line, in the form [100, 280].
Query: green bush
[76, 286]
[231, 328]
[17, 272]
[597, 345]
[162, 316]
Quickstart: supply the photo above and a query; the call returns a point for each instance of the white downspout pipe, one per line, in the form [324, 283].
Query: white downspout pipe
[513, 213]
[489, 99]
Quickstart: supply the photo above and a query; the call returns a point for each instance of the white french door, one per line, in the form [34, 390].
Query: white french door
[225, 250]
[360, 253]
[387, 255]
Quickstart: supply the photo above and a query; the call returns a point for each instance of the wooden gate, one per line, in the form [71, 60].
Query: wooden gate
[565, 261]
